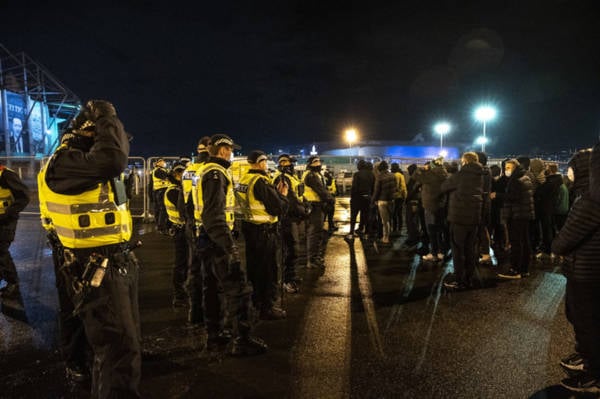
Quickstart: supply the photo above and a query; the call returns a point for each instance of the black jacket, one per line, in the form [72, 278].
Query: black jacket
[547, 194]
[518, 199]
[73, 171]
[466, 194]
[580, 236]
[431, 183]
[297, 210]
[214, 191]
[363, 183]
[275, 203]
[20, 193]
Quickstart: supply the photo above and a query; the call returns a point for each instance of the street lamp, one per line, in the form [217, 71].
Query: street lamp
[483, 114]
[442, 128]
[351, 136]
[482, 140]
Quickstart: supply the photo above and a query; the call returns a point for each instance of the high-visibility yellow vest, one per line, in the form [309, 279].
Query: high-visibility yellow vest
[332, 187]
[229, 196]
[172, 210]
[310, 194]
[6, 196]
[157, 183]
[189, 179]
[297, 185]
[253, 210]
[87, 220]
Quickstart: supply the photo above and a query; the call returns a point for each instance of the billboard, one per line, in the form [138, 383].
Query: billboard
[18, 137]
[28, 129]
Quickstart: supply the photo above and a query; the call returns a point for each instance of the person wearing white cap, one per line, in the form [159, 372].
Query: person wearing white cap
[262, 205]
[319, 198]
[224, 276]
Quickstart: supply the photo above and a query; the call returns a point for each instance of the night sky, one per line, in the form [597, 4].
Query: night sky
[282, 74]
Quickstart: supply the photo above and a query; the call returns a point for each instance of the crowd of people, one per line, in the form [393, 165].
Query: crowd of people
[519, 211]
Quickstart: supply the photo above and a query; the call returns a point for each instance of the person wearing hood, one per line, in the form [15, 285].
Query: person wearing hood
[535, 232]
[414, 228]
[383, 197]
[431, 176]
[552, 201]
[363, 182]
[579, 239]
[517, 213]
[464, 214]
[484, 234]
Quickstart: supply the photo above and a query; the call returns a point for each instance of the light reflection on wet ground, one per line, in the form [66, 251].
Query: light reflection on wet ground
[376, 323]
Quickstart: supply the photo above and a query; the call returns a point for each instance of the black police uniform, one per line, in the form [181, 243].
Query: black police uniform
[14, 197]
[158, 194]
[224, 277]
[262, 247]
[316, 236]
[110, 312]
[180, 267]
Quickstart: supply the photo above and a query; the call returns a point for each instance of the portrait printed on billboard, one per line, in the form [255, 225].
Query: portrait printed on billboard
[36, 128]
[15, 107]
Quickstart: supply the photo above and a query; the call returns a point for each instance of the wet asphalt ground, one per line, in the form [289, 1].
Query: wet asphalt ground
[376, 323]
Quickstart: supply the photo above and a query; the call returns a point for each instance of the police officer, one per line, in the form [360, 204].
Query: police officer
[291, 222]
[222, 269]
[332, 188]
[261, 205]
[83, 203]
[319, 198]
[160, 181]
[14, 197]
[186, 206]
[177, 222]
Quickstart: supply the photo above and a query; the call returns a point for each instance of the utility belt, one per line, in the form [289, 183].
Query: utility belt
[85, 268]
[263, 227]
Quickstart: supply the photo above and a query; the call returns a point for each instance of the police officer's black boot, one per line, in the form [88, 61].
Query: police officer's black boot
[248, 346]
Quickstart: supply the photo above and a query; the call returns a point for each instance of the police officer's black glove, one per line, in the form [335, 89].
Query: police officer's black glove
[235, 264]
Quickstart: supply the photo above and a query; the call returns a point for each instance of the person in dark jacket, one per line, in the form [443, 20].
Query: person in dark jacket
[431, 176]
[484, 235]
[363, 183]
[580, 240]
[14, 197]
[383, 197]
[498, 231]
[225, 287]
[517, 213]
[415, 229]
[316, 193]
[464, 214]
[578, 174]
[263, 204]
[89, 164]
[547, 196]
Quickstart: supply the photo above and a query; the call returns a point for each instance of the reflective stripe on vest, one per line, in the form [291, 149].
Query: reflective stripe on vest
[253, 210]
[6, 197]
[229, 196]
[87, 220]
[157, 183]
[171, 208]
[310, 194]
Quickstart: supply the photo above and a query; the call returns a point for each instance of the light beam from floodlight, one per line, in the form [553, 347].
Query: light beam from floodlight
[351, 136]
[442, 128]
[484, 114]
